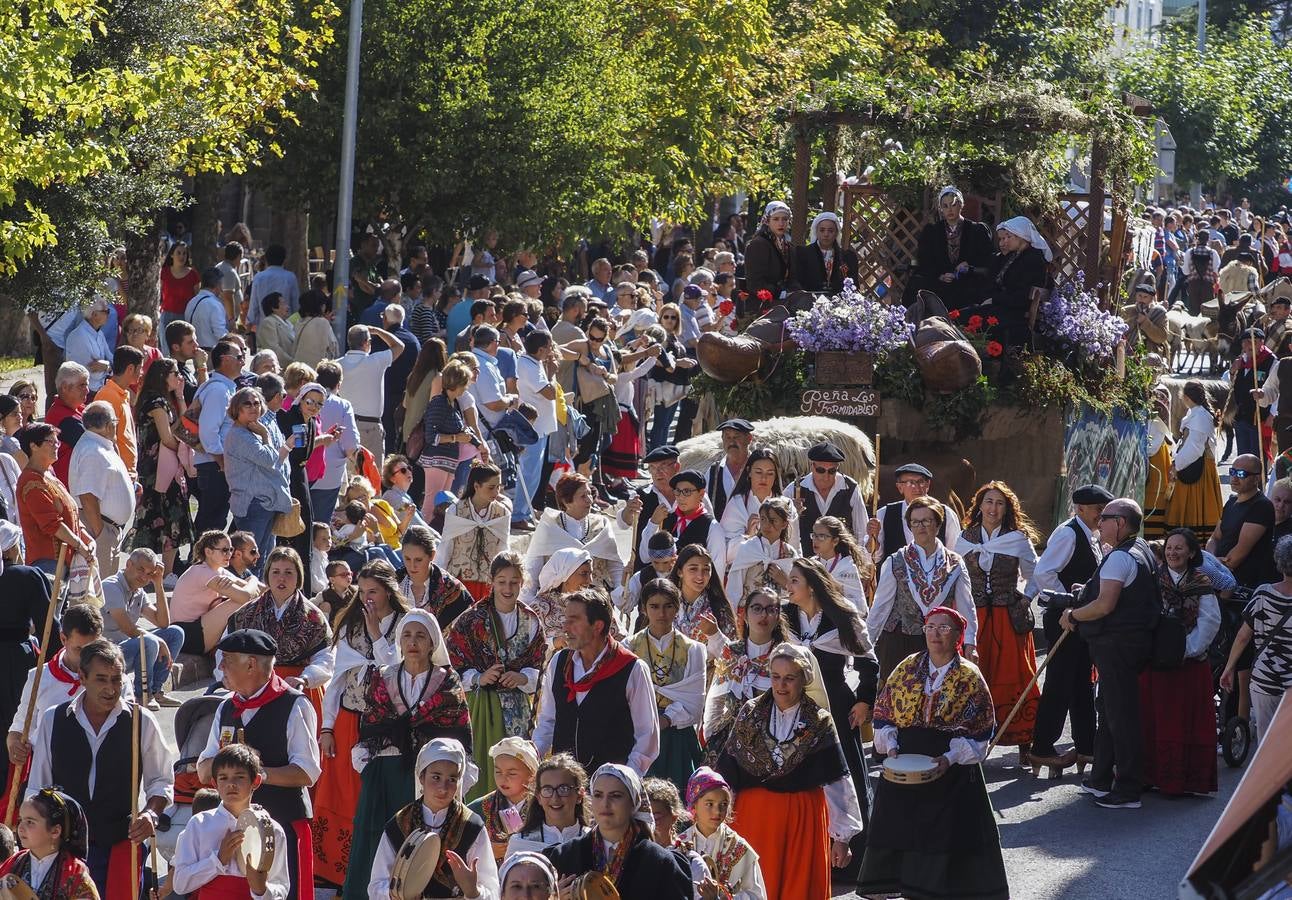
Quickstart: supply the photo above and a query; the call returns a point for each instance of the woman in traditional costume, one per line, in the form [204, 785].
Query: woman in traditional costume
[366, 635]
[306, 657]
[1195, 501]
[677, 670]
[954, 255]
[404, 706]
[763, 558]
[497, 646]
[795, 803]
[731, 861]
[558, 811]
[850, 566]
[465, 867]
[575, 526]
[706, 614]
[769, 255]
[936, 839]
[528, 876]
[1178, 713]
[427, 585]
[566, 571]
[620, 846]
[998, 548]
[476, 529]
[922, 575]
[55, 839]
[760, 481]
[1157, 488]
[821, 618]
[513, 762]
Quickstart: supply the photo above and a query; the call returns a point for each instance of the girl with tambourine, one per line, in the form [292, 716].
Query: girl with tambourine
[55, 840]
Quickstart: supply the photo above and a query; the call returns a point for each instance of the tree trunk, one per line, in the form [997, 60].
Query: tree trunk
[289, 226]
[144, 256]
[206, 220]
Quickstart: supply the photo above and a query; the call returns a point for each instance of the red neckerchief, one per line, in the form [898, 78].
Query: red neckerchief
[683, 520]
[615, 658]
[271, 692]
[60, 673]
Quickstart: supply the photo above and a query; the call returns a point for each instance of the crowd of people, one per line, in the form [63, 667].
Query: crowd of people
[439, 601]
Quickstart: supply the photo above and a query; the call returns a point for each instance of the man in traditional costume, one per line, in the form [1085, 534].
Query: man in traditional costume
[662, 465]
[737, 435]
[689, 521]
[889, 526]
[825, 491]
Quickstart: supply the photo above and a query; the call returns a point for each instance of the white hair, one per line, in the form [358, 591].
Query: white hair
[98, 416]
[262, 357]
[701, 276]
[394, 313]
[68, 374]
[143, 556]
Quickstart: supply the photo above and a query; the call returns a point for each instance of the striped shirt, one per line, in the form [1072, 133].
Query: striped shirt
[425, 322]
[1269, 614]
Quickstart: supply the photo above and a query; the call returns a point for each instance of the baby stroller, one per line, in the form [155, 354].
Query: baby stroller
[1234, 732]
[193, 723]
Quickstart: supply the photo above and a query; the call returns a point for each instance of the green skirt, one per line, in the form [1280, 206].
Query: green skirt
[487, 728]
[679, 754]
[386, 787]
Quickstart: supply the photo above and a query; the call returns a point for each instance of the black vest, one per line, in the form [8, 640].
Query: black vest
[107, 812]
[894, 533]
[695, 532]
[650, 502]
[609, 735]
[1285, 384]
[718, 488]
[470, 830]
[1083, 562]
[840, 507]
[267, 734]
[1140, 603]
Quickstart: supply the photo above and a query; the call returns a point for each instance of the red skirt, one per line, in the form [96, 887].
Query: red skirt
[1008, 662]
[1178, 721]
[336, 797]
[623, 457]
[791, 835]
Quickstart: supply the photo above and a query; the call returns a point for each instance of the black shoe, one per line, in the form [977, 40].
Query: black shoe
[1094, 790]
[1115, 800]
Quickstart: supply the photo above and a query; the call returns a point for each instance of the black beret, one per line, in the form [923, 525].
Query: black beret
[1146, 287]
[687, 476]
[1092, 495]
[914, 469]
[1253, 332]
[825, 452]
[248, 640]
[741, 425]
[666, 453]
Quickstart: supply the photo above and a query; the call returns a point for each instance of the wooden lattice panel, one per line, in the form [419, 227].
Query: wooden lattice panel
[884, 234]
[1066, 231]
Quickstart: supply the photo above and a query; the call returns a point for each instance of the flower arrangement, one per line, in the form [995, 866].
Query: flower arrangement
[1071, 317]
[850, 322]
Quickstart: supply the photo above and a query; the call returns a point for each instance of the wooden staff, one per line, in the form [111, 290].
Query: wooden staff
[1256, 413]
[873, 544]
[134, 766]
[16, 779]
[1023, 696]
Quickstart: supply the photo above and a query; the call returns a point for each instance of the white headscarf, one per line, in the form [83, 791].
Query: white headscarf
[636, 794]
[10, 534]
[439, 652]
[450, 749]
[775, 206]
[954, 191]
[797, 654]
[826, 217]
[309, 387]
[560, 566]
[523, 750]
[1021, 226]
[526, 857]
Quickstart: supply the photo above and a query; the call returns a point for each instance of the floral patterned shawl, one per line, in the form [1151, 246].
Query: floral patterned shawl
[386, 723]
[301, 632]
[751, 744]
[961, 706]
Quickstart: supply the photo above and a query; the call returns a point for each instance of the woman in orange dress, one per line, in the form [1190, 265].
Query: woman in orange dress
[998, 547]
[795, 803]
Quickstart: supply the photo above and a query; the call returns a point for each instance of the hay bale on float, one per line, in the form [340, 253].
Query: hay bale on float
[789, 438]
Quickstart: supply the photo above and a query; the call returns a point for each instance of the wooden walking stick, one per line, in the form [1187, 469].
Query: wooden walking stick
[1256, 414]
[134, 769]
[1023, 696]
[145, 689]
[16, 779]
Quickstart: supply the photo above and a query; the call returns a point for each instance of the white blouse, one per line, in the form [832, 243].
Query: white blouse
[480, 854]
[842, 807]
[1199, 436]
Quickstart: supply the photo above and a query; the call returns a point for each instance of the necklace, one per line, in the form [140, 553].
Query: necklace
[775, 727]
[583, 538]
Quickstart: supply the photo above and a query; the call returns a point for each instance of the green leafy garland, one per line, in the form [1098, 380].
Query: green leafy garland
[756, 397]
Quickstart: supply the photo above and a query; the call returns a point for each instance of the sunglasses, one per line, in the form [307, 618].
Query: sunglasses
[1111, 516]
[403, 470]
[223, 549]
[824, 470]
[669, 318]
[1241, 473]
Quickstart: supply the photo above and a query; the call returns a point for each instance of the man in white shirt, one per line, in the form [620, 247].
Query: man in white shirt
[889, 524]
[206, 310]
[336, 410]
[124, 603]
[535, 377]
[93, 727]
[212, 425]
[231, 282]
[90, 344]
[601, 708]
[101, 484]
[365, 383]
[490, 388]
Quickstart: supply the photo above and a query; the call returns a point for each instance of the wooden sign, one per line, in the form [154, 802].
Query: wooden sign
[844, 368]
[840, 403]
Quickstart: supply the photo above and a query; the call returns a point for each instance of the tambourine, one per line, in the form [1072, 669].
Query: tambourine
[415, 864]
[14, 888]
[258, 842]
[593, 886]
[911, 768]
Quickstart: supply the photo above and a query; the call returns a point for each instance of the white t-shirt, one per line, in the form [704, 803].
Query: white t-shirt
[1119, 566]
[530, 379]
[364, 384]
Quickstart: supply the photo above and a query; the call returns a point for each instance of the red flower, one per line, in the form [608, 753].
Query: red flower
[975, 322]
[954, 314]
[995, 348]
[725, 308]
[992, 321]
[971, 328]
[744, 295]
[764, 296]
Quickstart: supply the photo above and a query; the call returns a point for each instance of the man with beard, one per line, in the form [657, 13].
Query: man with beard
[737, 435]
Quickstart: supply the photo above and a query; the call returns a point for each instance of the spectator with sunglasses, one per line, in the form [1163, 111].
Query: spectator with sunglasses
[1243, 539]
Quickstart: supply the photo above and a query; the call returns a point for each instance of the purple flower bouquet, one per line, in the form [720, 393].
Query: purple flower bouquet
[1072, 319]
[850, 322]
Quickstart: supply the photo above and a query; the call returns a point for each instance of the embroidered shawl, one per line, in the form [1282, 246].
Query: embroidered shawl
[476, 640]
[961, 705]
[442, 590]
[1184, 599]
[386, 723]
[67, 879]
[751, 743]
[301, 632]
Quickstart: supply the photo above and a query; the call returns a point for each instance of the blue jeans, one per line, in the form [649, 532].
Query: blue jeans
[213, 502]
[660, 424]
[1245, 433]
[323, 502]
[460, 476]
[531, 472]
[259, 520]
[172, 636]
